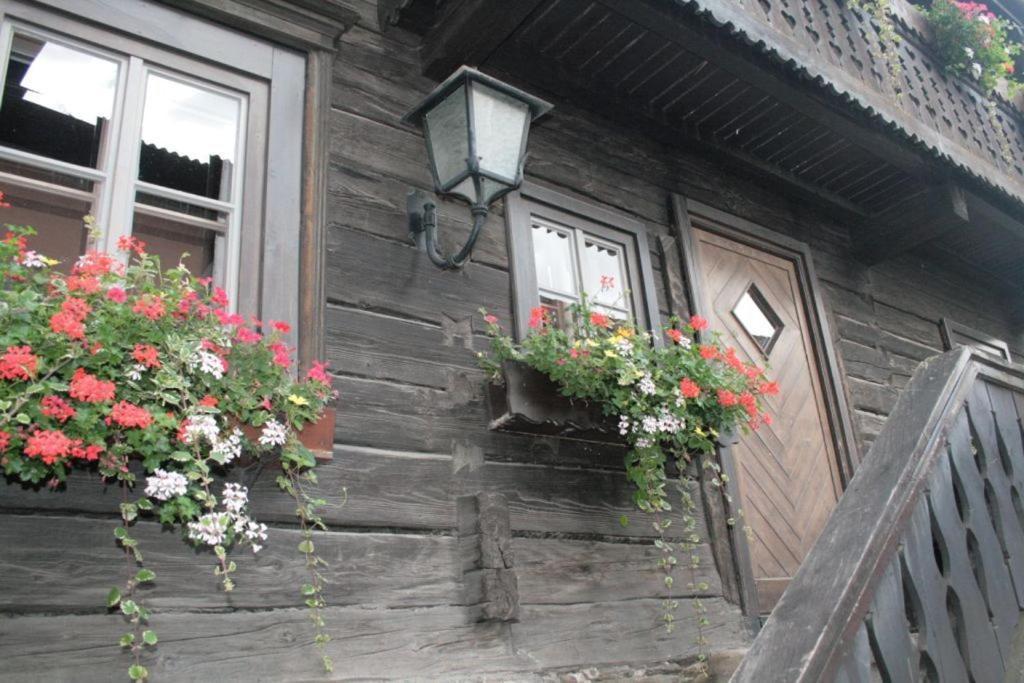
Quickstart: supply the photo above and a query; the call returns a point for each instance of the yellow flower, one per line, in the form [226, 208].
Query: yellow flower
[699, 432]
[625, 332]
[591, 342]
[298, 400]
[611, 354]
[50, 261]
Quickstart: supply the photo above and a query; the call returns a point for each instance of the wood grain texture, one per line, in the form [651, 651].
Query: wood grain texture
[788, 474]
[434, 643]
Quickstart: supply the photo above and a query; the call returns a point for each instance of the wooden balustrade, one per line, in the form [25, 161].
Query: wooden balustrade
[919, 574]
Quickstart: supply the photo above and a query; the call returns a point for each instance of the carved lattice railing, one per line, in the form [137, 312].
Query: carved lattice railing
[919, 574]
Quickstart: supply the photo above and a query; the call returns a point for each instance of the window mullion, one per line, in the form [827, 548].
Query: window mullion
[126, 159]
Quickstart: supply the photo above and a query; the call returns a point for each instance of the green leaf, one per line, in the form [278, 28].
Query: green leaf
[137, 672]
[129, 607]
[145, 575]
[127, 640]
[306, 546]
[113, 597]
[624, 521]
[144, 504]
[120, 533]
[308, 589]
[149, 637]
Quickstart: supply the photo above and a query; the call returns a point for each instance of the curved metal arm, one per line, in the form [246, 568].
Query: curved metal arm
[426, 236]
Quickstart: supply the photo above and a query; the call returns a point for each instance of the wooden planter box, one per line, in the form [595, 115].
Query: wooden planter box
[530, 403]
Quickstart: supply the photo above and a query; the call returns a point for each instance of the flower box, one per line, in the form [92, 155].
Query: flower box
[319, 436]
[529, 402]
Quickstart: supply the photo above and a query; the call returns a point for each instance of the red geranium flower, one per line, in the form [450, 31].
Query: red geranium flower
[49, 445]
[491, 319]
[89, 453]
[727, 398]
[599, 319]
[282, 327]
[117, 295]
[89, 389]
[146, 355]
[150, 306]
[749, 403]
[537, 317]
[133, 244]
[768, 388]
[57, 408]
[674, 335]
[708, 351]
[62, 323]
[129, 415]
[247, 336]
[209, 401]
[318, 373]
[688, 388]
[18, 362]
[5, 440]
[698, 323]
[95, 263]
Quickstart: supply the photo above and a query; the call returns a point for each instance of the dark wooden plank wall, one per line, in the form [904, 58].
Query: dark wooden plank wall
[402, 338]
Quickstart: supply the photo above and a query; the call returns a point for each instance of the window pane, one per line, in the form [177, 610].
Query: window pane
[186, 208]
[52, 177]
[57, 101]
[189, 138]
[758, 319]
[174, 242]
[57, 220]
[552, 250]
[604, 275]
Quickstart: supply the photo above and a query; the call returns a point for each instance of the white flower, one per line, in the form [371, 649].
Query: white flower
[202, 426]
[228, 449]
[134, 373]
[33, 259]
[274, 433]
[647, 385]
[649, 424]
[166, 485]
[976, 70]
[209, 529]
[644, 443]
[983, 18]
[624, 346]
[623, 425]
[685, 342]
[211, 364]
[970, 52]
[252, 531]
[235, 498]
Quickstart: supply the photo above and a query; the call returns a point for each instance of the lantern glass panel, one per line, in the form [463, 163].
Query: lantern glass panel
[499, 124]
[447, 131]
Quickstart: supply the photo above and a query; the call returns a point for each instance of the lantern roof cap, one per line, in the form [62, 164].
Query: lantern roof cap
[464, 74]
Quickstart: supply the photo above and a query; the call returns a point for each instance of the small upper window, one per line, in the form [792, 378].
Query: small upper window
[955, 334]
[563, 250]
[758, 319]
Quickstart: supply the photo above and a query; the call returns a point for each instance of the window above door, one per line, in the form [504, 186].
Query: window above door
[562, 249]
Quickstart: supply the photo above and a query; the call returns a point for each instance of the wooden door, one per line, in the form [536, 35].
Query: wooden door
[787, 472]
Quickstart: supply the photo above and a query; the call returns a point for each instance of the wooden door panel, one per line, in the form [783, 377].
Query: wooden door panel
[788, 474]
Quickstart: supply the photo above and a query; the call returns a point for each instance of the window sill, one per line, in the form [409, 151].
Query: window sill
[530, 403]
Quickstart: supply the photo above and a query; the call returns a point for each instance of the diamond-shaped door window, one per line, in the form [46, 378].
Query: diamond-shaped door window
[758, 319]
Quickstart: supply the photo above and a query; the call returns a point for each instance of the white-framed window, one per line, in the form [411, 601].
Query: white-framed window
[170, 140]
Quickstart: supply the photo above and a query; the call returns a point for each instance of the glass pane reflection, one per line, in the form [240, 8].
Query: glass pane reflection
[57, 220]
[175, 243]
[758, 319]
[553, 257]
[604, 275]
[57, 101]
[189, 138]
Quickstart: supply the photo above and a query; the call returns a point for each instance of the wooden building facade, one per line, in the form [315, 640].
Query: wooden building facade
[732, 150]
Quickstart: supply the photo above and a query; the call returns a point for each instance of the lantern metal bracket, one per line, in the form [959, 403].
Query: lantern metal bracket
[423, 230]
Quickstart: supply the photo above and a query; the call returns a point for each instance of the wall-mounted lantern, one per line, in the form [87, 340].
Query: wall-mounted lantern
[475, 128]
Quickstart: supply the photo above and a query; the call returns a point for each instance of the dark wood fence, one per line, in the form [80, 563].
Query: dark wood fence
[919, 574]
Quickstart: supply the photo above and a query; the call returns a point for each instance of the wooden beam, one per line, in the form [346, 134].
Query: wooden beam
[666, 20]
[468, 32]
[918, 220]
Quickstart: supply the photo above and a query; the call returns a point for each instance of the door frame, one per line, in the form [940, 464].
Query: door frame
[724, 224]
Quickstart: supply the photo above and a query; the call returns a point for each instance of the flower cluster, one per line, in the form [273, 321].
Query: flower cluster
[972, 41]
[147, 374]
[669, 400]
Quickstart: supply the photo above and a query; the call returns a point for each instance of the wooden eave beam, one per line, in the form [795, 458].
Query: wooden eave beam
[925, 217]
[665, 19]
[469, 32]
